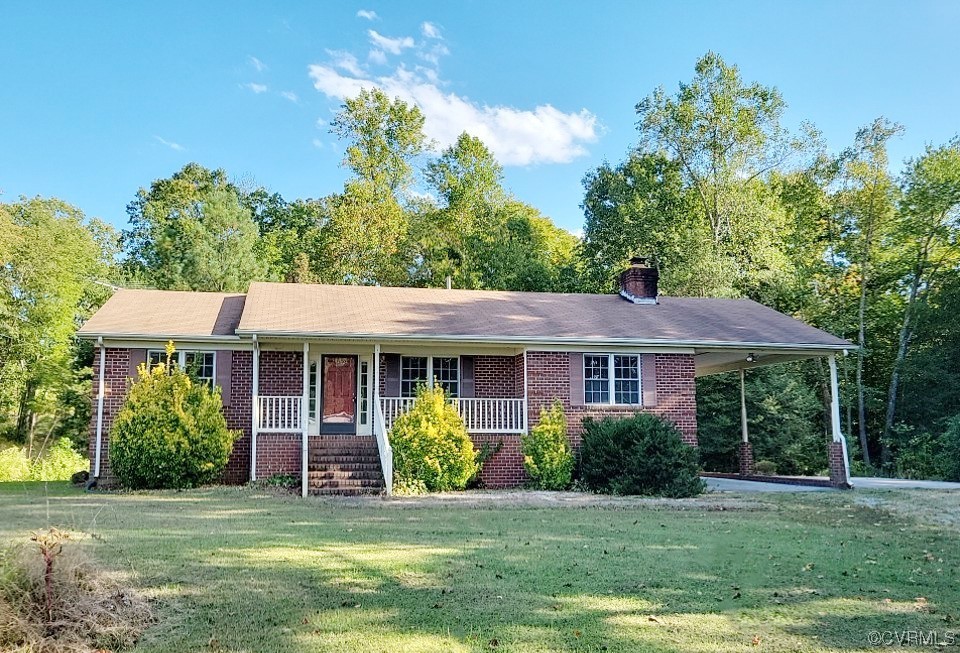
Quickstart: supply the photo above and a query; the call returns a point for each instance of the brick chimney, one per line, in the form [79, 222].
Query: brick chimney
[638, 283]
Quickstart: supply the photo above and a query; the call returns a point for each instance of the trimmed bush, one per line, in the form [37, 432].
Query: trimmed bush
[546, 453]
[431, 449]
[170, 432]
[642, 455]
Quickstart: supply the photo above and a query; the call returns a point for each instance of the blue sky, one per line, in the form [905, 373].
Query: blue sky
[99, 98]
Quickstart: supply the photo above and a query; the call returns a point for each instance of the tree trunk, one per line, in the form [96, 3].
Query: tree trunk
[906, 331]
[861, 399]
[25, 419]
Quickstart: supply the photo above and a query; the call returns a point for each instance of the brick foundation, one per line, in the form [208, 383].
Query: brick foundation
[745, 457]
[505, 468]
[838, 470]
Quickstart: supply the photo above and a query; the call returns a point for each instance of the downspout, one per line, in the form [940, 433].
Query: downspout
[100, 391]
[305, 421]
[255, 409]
[835, 416]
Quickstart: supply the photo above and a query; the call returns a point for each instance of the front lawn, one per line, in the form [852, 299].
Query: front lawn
[233, 569]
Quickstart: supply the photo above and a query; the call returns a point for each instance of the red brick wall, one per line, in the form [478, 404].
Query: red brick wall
[116, 375]
[504, 468]
[281, 373]
[117, 383]
[278, 453]
[548, 378]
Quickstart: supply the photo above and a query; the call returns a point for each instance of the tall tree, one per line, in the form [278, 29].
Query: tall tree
[928, 228]
[51, 255]
[191, 232]
[726, 137]
[867, 204]
[365, 236]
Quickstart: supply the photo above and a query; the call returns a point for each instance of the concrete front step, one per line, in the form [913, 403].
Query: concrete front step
[349, 484]
[344, 467]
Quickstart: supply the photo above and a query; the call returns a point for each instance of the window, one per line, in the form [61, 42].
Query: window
[611, 379]
[413, 372]
[446, 371]
[364, 393]
[313, 390]
[417, 370]
[198, 364]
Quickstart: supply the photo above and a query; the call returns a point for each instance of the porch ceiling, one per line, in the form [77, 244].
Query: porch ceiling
[717, 361]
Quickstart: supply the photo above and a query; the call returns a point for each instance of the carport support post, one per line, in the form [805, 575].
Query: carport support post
[746, 451]
[837, 449]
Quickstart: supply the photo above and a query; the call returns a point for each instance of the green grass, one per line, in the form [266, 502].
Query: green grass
[234, 569]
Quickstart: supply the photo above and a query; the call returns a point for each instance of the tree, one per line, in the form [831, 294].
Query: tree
[866, 203]
[51, 254]
[726, 138]
[928, 226]
[191, 232]
[365, 235]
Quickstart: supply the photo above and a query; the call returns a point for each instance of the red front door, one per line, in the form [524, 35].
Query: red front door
[338, 397]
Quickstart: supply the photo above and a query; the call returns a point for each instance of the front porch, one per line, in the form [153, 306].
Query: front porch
[328, 409]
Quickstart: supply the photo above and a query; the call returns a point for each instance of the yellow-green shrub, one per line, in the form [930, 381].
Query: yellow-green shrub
[58, 463]
[546, 452]
[170, 432]
[431, 448]
[14, 464]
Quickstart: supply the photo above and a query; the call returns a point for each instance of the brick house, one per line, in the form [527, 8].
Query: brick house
[314, 375]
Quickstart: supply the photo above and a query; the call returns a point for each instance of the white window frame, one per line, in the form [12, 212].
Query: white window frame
[612, 380]
[181, 358]
[430, 375]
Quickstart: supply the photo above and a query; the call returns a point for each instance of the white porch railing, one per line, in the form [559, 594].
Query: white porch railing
[279, 414]
[499, 415]
[383, 446]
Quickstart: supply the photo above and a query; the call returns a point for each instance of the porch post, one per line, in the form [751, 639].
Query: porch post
[305, 421]
[375, 409]
[526, 399]
[745, 450]
[255, 409]
[838, 458]
[100, 389]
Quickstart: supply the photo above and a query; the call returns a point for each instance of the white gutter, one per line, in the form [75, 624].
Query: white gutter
[192, 337]
[529, 340]
[100, 389]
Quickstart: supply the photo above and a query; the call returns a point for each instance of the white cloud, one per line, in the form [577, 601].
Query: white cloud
[317, 143]
[433, 53]
[257, 64]
[377, 57]
[173, 146]
[256, 88]
[369, 14]
[430, 31]
[346, 61]
[543, 134]
[290, 95]
[389, 44]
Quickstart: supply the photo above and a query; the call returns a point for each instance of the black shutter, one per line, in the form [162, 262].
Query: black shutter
[391, 387]
[468, 386]
[224, 364]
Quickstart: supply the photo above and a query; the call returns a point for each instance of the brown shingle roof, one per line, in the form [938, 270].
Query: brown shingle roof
[166, 313]
[429, 313]
[516, 316]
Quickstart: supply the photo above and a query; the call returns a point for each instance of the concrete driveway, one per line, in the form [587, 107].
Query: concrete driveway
[863, 483]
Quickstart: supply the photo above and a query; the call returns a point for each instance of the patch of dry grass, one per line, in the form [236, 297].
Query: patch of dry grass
[66, 606]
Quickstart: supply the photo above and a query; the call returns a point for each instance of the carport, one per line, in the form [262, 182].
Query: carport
[716, 361]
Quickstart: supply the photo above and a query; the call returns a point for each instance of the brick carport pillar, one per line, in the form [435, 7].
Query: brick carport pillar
[745, 451]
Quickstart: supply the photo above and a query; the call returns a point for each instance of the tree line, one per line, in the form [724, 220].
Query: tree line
[728, 199]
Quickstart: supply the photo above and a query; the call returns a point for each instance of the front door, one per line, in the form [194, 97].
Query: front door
[338, 396]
